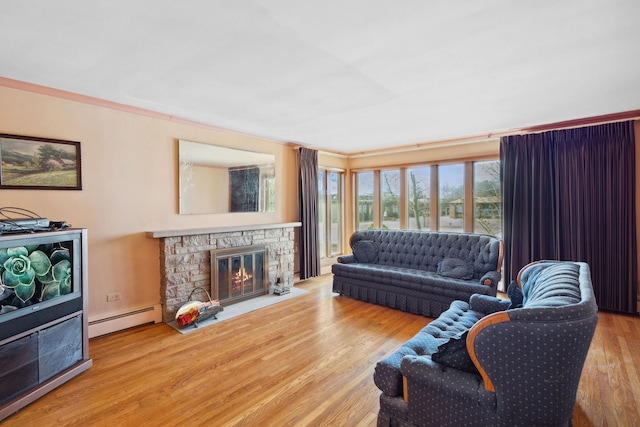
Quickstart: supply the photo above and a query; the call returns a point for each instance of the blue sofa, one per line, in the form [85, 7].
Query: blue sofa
[418, 272]
[493, 362]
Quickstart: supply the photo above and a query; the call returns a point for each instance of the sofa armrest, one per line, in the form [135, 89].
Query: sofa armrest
[487, 304]
[346, 259]
[491, 279]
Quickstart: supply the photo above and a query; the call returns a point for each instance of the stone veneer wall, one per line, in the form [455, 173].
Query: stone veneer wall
[185, 261]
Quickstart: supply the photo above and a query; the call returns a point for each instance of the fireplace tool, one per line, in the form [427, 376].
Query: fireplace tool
[192, 312]
[280, 288]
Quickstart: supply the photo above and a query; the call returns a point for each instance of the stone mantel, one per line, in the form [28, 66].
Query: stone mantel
[185, 262]
[216, 230]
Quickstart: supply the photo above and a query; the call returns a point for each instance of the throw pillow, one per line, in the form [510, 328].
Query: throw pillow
[515, 295]
[453, 354]
[487, 304]
[365, 251]
[454, 268]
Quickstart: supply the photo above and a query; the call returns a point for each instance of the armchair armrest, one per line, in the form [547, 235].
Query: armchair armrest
[487, 304]
[346, 259]
[491, 279]
[491, 319]
[424, 375]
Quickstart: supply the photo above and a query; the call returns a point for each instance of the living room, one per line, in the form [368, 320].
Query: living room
[130, 176]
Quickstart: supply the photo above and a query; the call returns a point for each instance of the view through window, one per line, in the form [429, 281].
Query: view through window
[364, 200]
[418, 193]
[322, 214]
[419, 186]
[451, 198]
[334, 198]
[390, 186]
[487, 198]
[330, 213]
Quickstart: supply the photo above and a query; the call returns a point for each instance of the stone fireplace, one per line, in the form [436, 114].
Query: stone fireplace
[186, 262]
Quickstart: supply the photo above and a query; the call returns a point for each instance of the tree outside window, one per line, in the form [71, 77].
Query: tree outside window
[390, 188]
[419, 203]
[487, 198]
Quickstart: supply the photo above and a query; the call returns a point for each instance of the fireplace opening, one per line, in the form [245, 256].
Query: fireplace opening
[239, 273]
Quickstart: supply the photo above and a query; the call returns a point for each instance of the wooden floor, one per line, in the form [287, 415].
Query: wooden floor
[304, 362]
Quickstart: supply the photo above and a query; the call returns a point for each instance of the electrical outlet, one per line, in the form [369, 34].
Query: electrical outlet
[116, 296]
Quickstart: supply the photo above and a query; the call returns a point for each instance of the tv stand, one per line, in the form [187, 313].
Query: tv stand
[48, 343]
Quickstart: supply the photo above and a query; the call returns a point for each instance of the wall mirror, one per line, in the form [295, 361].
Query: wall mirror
[216, 179]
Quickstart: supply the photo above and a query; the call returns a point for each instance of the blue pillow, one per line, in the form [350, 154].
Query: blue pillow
[454, 268]
[487, 304]
[365, 251]
[515, 295]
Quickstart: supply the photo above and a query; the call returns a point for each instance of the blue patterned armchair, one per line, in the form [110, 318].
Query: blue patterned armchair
[518, 364]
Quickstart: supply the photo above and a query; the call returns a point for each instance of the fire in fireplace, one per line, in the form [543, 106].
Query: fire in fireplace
[239, 273]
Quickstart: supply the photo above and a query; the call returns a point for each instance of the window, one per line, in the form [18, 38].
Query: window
[419, 205]
[330, 213]
[364, 201]
[487, 198]
[390, 197]
[451, 197]
[322, 213]
[466, 198]
[334, 196]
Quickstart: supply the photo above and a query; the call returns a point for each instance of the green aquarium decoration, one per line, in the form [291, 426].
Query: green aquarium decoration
[32, 274]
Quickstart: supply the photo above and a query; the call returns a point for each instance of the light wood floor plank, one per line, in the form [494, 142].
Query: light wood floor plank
[304, 362]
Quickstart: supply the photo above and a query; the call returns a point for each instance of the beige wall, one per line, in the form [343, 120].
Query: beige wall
[429, 154]
[130, 186]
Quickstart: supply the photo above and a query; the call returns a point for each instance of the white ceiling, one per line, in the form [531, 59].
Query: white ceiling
[341, 75]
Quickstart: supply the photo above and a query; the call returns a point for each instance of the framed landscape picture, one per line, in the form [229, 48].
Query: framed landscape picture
[39, 163]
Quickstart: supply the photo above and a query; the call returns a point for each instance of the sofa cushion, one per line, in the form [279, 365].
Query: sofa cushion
[422, 250]
[515, 295]
[551, 284]
[455, 268]
[488, 304]
[365, 251]
[455, 321]
[453, 353]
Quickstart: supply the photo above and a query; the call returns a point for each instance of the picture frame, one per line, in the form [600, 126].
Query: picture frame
[29, 162]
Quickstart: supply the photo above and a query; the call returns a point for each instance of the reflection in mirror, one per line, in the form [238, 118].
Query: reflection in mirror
[217, 179]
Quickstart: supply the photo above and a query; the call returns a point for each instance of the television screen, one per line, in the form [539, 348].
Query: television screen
[39, 271]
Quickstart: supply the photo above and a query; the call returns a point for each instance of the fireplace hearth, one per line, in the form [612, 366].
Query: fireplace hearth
[239, 273]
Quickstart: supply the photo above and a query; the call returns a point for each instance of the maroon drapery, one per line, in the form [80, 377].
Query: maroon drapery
[308, 209]
[570, 195]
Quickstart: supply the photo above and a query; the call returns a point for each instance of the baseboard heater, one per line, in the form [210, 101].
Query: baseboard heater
[125, 320]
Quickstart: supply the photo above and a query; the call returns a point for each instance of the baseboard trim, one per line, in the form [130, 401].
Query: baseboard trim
[129, 319]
